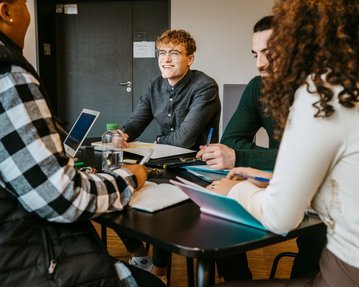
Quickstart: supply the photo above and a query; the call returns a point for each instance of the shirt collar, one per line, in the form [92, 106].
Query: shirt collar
[181, 83]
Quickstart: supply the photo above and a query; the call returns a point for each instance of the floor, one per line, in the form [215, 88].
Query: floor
[260, 260]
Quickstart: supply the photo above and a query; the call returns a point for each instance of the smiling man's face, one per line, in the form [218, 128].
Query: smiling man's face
[174, 62]
[260, 50]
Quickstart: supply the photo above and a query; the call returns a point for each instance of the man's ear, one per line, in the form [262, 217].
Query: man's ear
[190, 60]
[4, 13]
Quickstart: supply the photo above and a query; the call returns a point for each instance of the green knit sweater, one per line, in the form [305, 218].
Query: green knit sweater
[243, 126]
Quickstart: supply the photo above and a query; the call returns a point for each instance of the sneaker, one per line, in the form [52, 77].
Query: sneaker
[163, 279]
[143, 262]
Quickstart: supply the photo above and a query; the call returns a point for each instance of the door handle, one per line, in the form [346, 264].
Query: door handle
[126, 84]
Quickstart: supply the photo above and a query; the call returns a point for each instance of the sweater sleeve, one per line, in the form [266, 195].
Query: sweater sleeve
[242, 128]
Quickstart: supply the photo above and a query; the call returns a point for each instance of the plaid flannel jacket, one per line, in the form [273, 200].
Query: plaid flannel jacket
[32, 162]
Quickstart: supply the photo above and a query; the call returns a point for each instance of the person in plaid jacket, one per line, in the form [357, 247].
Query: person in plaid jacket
[46, 238]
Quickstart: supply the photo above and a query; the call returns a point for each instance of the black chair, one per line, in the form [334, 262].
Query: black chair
[276, 261]
[190, 265]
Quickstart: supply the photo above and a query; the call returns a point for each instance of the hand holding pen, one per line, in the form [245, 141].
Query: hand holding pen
[202, 147]
[209, 138]
[258, 177]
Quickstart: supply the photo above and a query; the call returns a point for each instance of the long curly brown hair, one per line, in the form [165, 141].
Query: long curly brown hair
[312, 37]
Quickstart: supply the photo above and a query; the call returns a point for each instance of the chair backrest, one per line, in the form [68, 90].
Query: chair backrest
[232, 94]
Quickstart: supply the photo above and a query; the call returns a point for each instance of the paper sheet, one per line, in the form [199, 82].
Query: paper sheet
[152, 197]
[159, 150]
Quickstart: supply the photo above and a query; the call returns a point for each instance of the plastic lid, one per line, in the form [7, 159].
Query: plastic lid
[112, 126]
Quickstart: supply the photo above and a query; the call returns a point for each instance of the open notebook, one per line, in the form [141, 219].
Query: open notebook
[152, 196]
[216, 204]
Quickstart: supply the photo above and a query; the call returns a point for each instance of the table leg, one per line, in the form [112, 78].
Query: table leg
[204, 272]
[104, 235]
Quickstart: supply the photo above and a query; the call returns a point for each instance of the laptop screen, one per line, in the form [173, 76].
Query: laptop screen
[79, 131]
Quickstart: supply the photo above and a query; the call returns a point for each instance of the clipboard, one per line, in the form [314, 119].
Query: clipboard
[175, 161]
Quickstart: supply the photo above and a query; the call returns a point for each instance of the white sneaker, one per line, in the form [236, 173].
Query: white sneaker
[163, 279]
[143, 262]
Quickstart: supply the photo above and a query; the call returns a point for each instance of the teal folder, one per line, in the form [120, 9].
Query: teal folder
[217, 205]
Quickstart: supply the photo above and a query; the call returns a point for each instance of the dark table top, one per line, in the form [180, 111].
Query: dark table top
[183, 229]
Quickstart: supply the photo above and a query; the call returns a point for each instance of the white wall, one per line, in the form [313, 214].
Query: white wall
[222, 29]
[30, 40]
[223, 32]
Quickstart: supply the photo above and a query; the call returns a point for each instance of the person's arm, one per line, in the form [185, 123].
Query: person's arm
[140, 118]
[204, 107]
[241, 129]
[307, 150]
[33, 165]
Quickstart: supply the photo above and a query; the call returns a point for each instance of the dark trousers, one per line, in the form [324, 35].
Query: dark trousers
[333, 272]
[305, 263]
[234, 267]
[309, 251]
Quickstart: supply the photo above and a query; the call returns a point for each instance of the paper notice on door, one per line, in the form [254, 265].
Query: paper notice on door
[70, 9]
[144, 49]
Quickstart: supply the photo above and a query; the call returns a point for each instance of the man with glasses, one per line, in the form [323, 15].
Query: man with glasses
[184, 102]
[186, 105]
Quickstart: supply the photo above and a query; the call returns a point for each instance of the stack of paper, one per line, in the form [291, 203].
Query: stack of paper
[142, 148]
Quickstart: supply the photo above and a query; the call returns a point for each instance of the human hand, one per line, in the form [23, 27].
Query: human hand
[140, 171]
[250, 174]
[222, 186]
[217, 156]
[124, 142]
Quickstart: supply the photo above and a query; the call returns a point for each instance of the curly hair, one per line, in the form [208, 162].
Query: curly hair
[177, 37]
[317, 38]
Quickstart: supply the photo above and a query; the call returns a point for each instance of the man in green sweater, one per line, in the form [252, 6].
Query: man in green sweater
[237, 148]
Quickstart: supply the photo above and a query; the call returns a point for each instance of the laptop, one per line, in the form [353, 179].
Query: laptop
[217, 205]
[79, 131]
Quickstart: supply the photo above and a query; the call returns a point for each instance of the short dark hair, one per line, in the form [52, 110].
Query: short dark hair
[263, 24]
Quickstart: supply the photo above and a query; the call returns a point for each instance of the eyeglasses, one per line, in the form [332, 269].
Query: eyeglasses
[173, 53]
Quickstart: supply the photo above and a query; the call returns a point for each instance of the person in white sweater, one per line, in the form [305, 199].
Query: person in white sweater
[313, 93]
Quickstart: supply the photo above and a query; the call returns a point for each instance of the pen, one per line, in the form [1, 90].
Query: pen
[209, 136]
[147, 157]
[259, 178]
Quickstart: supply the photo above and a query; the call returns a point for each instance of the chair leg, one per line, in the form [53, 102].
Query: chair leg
[276, 261]
[190, 272]
[147, 247]
[168, 274]
[104, 235]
